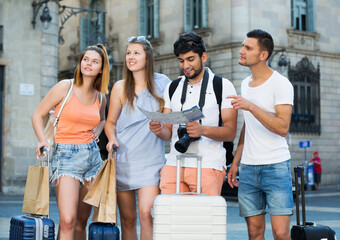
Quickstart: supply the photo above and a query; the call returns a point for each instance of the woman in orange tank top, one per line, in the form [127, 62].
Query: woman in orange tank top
[76, 156]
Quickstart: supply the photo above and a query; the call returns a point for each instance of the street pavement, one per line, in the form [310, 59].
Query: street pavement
[322, 207]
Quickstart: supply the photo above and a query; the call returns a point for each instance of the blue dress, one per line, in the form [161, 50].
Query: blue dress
[140, 155]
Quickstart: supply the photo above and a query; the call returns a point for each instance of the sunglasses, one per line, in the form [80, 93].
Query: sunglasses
[190, 43]
[137, 39]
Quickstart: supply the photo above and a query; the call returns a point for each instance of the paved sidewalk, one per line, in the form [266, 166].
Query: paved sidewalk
[322, 207]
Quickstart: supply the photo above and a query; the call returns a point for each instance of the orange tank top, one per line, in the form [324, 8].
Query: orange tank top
[77, 121]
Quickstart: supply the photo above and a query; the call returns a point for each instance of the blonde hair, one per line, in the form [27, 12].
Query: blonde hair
[129, 83]
[102, 80]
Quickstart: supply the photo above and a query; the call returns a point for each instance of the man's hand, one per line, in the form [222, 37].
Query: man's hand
[277, 122]
[194, 129]
[239, 102]
[232, 176]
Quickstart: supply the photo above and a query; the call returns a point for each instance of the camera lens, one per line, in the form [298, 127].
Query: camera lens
[183, 143]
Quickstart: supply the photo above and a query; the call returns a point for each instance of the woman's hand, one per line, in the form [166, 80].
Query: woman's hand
[39, 148]
[95, 135]
[155, 127]
[111, 143]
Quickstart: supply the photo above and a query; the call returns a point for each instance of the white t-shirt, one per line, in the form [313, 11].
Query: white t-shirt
[261, 146]
[212, 152]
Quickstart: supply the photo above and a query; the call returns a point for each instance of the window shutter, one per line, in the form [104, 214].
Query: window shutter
[142, 18]
[293, 14]
[84, 32]
[101, 22]
[101, 34]
[310, 16]
[204, 14]
[188, 15]
[1, 37]
[156, 19]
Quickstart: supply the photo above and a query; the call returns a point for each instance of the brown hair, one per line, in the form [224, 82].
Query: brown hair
[264, 40]
[102, 80]
[129, 85]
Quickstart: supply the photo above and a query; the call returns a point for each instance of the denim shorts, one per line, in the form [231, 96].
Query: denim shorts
[265, 188]
[80, 161]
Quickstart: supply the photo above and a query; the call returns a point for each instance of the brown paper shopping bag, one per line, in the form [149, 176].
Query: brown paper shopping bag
[94, 194]
[106, 209]
[37, 195]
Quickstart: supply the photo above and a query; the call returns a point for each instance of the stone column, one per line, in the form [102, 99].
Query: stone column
[49, 51]
[240, 15]
[240, 25]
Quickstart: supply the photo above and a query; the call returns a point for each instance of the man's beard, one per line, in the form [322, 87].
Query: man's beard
[197, 72]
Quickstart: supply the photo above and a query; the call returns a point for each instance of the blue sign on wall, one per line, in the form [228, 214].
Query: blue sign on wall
[304, 144]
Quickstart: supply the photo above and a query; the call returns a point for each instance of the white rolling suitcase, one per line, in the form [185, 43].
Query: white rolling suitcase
[185, 216]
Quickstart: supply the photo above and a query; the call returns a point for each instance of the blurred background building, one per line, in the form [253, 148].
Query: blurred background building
[41, 40]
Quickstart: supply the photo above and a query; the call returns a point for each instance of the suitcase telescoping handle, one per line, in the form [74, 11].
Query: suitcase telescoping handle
[302, 176]
[45, 153]
[178, 172]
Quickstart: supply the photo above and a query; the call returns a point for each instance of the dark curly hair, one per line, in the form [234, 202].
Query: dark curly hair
[187, 42]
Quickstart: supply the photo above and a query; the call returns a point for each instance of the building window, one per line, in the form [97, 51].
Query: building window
[92, 26]
[306, 110]
[1, 37]
[303, 15]
[148, 18]
[195, 14]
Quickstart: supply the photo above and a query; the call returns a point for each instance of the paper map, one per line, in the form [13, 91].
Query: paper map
[189, 115]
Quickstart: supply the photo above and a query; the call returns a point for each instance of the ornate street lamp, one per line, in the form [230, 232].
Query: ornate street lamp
[282, 63]
[65, 13]
[45, 17]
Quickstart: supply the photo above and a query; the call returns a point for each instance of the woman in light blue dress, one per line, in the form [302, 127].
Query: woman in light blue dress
[140, 155]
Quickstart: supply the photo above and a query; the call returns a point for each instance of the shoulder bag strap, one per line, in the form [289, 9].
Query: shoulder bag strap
[63, 104]
[100, 98]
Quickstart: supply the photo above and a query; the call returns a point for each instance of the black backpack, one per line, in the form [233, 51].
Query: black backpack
[217, 85]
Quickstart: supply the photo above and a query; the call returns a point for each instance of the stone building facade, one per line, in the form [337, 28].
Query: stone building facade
[308, 31]
[29, 63]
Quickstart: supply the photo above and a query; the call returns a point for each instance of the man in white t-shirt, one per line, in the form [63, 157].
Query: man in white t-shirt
[262, 156]
[207, 134]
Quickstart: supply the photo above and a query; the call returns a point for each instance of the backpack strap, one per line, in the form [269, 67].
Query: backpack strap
[217, 85]
[229, 146]
[173, 86]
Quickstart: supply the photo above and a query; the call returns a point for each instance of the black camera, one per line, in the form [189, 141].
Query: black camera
[184, 141]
